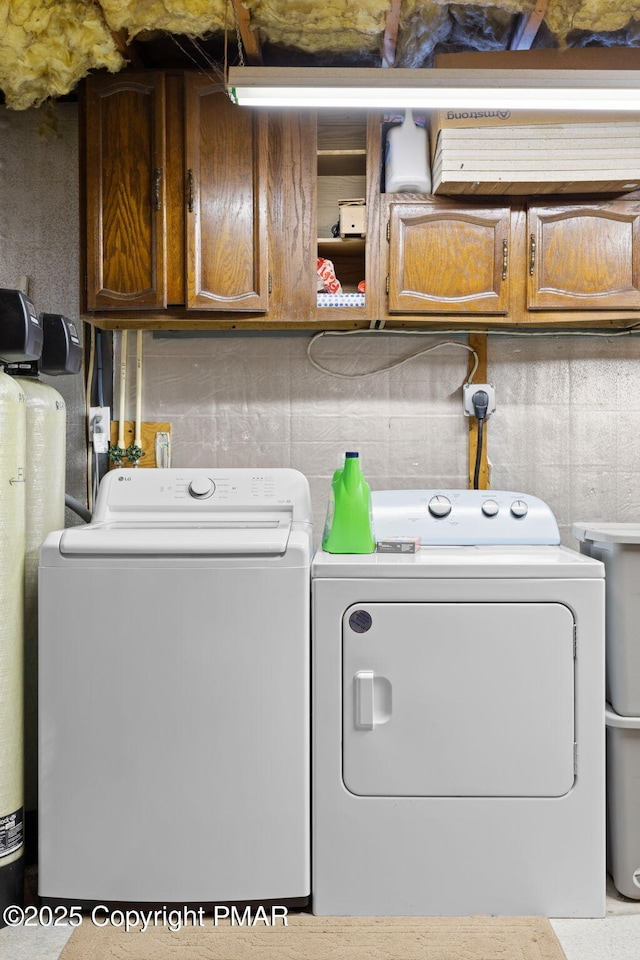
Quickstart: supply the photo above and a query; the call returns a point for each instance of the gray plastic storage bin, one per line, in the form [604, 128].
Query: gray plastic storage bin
[623, 801]
[618, 546]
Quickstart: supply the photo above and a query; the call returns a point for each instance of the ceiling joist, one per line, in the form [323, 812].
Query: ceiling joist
[128, 49]
[248, 37]
[391, 34]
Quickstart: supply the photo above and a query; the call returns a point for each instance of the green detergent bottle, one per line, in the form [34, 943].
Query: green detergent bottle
[348, 528]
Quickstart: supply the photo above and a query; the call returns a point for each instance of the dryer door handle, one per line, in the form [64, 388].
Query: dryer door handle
[372, 700]
[363, 683]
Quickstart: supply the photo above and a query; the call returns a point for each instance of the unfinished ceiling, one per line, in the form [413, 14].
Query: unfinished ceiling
[47, 46]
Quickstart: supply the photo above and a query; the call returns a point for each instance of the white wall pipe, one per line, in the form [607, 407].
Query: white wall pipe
[138, 431]
[123, 388]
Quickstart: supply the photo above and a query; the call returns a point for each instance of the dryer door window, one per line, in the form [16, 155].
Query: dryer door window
[458, 699]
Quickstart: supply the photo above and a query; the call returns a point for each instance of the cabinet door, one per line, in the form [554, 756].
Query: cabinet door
[125, 160]
[448, 259]
[584, 257]
[226, 173]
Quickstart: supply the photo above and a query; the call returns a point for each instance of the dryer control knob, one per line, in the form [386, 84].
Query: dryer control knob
[201, 488]
[490, 508]
[519, 508]
[439, 506]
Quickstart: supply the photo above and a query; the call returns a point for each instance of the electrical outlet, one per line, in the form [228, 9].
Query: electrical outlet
[100, 428]
[468, 392]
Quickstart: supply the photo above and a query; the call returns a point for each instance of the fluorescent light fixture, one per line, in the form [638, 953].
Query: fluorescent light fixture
[479, 89]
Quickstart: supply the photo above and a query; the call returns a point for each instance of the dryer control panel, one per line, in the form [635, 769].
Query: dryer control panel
[467, 517]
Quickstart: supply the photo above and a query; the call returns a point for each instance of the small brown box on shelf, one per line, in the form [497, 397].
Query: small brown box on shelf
[352, 218]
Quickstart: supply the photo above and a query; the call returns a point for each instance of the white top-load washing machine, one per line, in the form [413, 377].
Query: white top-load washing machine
[458, 717]
[174, 691]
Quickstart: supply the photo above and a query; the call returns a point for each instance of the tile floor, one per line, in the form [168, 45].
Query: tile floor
[616, 937]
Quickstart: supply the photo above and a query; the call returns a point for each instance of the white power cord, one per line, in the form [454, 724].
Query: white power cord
[394, 363]
[632, 330]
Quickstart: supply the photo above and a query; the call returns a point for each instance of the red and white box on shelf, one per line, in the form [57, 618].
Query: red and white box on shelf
[327, 275]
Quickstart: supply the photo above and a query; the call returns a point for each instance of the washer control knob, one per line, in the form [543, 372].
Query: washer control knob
[490, 508]
[439, 506]
[519, 508]
[201, 488]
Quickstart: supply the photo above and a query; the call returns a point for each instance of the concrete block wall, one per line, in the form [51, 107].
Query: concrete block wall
[257, 401]
[566, 428]
[39, 239]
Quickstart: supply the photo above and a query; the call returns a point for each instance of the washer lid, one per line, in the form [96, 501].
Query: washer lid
[607, 532]
[171, 540]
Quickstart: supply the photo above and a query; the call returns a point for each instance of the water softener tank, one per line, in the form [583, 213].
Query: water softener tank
[44, 502]
[12, 544]
[20, 340]
[46, 423]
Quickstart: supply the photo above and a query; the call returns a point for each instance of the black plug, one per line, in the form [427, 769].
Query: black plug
[480, 401]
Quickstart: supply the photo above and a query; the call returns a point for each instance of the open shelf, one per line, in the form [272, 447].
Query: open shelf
[334, 246]
[341, 169]
[342, 163]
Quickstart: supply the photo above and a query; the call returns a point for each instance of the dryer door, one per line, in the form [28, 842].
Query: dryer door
[458, 699]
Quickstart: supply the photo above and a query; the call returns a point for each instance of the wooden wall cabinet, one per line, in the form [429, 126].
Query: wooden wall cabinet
[202, 214]
[584, 257]
[226, 169]
[125, 160]
[199, 214]
[525, 263]
[451, 259]
[176, 196]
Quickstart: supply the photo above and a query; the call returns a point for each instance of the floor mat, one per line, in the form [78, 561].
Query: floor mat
[317, 938]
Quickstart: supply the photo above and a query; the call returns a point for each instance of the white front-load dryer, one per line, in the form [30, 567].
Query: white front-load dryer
[458, 728]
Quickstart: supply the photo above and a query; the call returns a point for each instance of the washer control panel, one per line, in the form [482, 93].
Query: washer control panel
[470, 517]
[201, 488]
[180, 493]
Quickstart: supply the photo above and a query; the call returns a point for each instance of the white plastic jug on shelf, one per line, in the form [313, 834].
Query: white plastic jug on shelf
[407, 167]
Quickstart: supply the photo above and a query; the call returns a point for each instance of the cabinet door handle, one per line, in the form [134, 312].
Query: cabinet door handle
[157, 183]
[505, 258]
[532, 254]
[190, 191]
